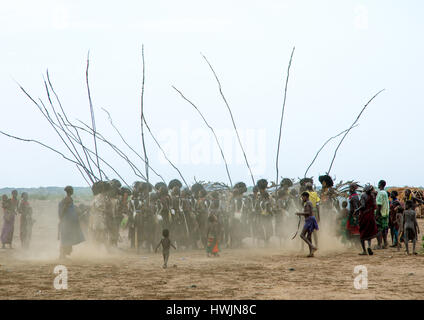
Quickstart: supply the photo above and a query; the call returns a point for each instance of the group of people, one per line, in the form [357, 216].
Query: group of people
[12, 207]
[209, 217]
[198, 217]
[376, 212]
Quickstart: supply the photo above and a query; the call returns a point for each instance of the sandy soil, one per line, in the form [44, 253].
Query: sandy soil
[247, 273]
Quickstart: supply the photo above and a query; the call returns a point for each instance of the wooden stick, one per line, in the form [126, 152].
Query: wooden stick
[93, 121]
[282, 116]
[356, 120]
[131, 148]
[102, 160]
[322, 147]
[90, 131]
[45, 146]
[50, 121]
[83, 176]
[142, 117]
[66, 118]
[163, 152]
[232, 118]
[77, 138]
[213, 131]
[60, 126]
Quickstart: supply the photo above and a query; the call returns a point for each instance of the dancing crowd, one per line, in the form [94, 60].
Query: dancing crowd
[213, 215]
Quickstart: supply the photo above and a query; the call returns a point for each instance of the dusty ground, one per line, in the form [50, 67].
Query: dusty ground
[248, 273]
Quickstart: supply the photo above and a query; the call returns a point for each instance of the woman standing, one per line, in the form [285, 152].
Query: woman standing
[367, 225]
[8, 222]
[26, 221]
[70, 232]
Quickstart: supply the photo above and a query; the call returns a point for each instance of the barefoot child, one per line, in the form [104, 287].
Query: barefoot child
[166, 245]
[396, 211]
[342, 221]
[398, 226]
[410, 226]
[310, 223]
[212, 236]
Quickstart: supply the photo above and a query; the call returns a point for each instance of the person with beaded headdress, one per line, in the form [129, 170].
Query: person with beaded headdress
[237, 214]
[214, 205]
[188, 211]
[149, 222]
[179, 222]
[327, 193]
[139, 207]
[295, 202]
[201, 210]
[125, 206]
[251, 207]
[98, 228]
[303, 182]
[115, 215]
[281, 208]
[285, 184]
[164, 203]
[266, 211]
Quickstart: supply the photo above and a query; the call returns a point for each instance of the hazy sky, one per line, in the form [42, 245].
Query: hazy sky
[346, 51]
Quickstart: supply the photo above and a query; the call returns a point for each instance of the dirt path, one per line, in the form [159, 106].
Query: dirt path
[236, 274]
[248, 273]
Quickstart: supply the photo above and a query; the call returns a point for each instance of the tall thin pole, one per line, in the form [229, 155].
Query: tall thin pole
[356, 120]
[213, 131]
[93, 121]
[282, 116]
[142, 117]
[232, 118]
[322, 147]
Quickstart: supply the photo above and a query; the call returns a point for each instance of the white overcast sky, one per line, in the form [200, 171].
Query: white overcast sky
[346, 51]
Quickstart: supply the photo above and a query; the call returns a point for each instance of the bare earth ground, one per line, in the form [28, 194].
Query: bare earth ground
[248, 273]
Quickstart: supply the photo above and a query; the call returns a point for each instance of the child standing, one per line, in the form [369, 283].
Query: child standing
[343, 222]
[212, 236]
[310, 223]
[166, 245]
[395, 215]
[410, 226]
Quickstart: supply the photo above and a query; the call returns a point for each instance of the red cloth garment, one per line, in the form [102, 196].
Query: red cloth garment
[353, 230]
[367, 224]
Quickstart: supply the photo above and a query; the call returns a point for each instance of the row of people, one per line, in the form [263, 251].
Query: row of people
[208, 219]
[13, 207]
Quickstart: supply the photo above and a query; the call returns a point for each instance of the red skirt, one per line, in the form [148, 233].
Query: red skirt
[352, 229]
[212, 246]
[367, 225]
